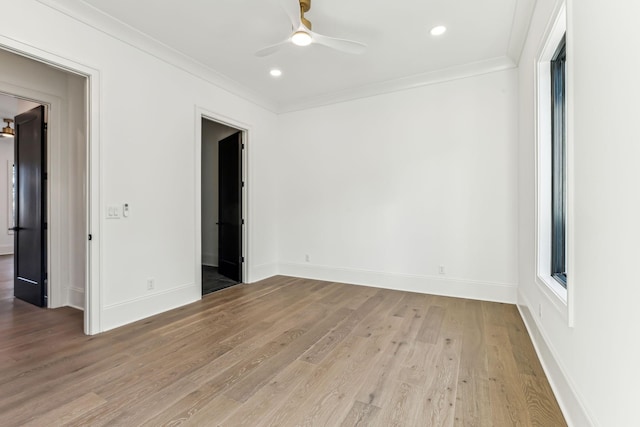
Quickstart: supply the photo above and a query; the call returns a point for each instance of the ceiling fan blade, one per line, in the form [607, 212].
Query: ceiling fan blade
[269, 50]
[292, 8]
[346, 46]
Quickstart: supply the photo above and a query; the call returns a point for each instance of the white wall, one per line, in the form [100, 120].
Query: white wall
[384, 190]
[147, 147]
[593, 365]
[212, 132]
[6, 160]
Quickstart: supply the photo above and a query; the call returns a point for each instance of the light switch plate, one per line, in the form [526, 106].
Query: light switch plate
[113, 212]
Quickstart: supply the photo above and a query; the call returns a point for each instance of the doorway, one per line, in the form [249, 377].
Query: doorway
[23, 199]
[59, 100]
[222, 221]
[13, 111]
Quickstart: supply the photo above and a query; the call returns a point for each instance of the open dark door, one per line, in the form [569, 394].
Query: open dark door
[230, 207]
[30, 209]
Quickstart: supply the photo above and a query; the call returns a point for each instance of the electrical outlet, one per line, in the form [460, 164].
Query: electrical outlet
[306, 258]
[441, 269]
[150, 284]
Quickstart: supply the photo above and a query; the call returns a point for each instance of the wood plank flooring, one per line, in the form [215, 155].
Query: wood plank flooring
[281, 352]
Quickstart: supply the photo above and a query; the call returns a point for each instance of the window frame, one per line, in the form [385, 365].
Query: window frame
[557, 68]
[551, 289]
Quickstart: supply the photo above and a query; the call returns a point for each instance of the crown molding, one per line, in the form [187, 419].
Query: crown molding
[522, 16]
[404, 83]
[100, 21]
[106, 24]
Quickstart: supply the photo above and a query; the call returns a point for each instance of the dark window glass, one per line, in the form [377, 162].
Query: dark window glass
[558, 164]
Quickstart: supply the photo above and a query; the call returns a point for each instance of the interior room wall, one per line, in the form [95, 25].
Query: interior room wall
[411, 190]
[6, 160]
[212, 132]
[594, 364]
[147, 147]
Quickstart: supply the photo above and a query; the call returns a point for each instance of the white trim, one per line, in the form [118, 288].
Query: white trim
[404, 83]
[523, 11]
[559, 296]
[95, 177]
[118, 30]
[570, 168]
[76, 297]
[435, 285]
[93, 294]
[119, 314]
[263, 271]
[565, 391]
[209, 259]
[203, 113]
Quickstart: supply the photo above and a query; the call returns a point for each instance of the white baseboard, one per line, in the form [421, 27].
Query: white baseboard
[570, 403]
[210, 260]
[6, 249]
[261, 272]
[120, 314]
[75, 298]
[436, 285]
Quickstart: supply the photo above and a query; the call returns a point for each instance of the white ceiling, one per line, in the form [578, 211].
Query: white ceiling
[8, 107]
[223, 35]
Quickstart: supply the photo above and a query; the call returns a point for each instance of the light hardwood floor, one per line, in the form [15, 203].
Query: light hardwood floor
[285, 352]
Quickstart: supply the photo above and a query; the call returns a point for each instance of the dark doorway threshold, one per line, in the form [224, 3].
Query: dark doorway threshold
[213, 281]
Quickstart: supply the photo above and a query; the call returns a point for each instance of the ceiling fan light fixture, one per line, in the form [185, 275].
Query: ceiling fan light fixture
[301, 38]
[439, 30]
[7, 132]
[275, 72]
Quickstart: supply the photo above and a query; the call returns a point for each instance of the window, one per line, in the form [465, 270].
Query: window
[554, 168]
[558, 164]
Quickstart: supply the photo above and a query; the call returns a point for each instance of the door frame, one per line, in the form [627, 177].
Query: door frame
[202, 113]
[93, 275]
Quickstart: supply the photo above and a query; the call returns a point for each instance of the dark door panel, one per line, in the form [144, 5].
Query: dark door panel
[230, 207]
[29, 231]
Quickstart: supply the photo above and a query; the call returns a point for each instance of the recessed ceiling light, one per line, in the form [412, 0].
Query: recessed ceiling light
[439, 30]
[275, 72]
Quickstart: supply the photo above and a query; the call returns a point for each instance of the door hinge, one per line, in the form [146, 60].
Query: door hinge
[243, 184]
[242, 221]
[46, 226]
[46, 126]
[90, 237]
[243, 146]
[242, 259]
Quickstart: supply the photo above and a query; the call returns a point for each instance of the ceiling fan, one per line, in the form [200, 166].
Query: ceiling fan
[303, 36]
